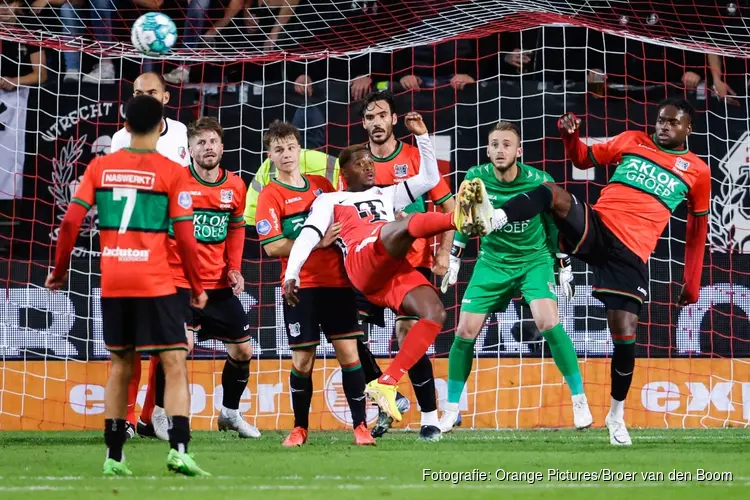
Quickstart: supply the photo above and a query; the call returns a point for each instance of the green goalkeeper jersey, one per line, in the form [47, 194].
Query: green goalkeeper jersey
[517, 243]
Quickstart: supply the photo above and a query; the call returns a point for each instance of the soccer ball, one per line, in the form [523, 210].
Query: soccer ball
[154, 34]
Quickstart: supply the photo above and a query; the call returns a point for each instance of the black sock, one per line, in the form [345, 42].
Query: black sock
[233, 381]
[424, 384]
[302, 389]
[621, 371]
[179, 433]
[526, 206]
[353, 380]
[114, 437]
[160, 381]
[369, 365]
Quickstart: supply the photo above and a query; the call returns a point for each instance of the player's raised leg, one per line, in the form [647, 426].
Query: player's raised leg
[423, 383]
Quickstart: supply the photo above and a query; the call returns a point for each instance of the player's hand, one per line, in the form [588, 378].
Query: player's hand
[414, 123]
[236, 281]
[442, 261]
[361, 87]
[691, 79]
[200, 301]
[53, 283]
[568, 124]
[290, 292]
[303, 85]
[400, 215]
[330, 237]
[451, 276]
[565, 275]
[410, 82]
[686, 297]
[461, 80]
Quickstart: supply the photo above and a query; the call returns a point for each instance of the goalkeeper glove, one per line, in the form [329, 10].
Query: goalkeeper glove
[451, 276]
[565, 275]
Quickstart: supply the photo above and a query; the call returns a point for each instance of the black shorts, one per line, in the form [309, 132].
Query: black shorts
[222, 319]
[375, 315]
[330, 310]
[620, 276]
[146, 324]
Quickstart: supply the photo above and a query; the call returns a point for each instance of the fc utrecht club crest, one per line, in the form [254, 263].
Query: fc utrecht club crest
[729, 224]
[681, 164]
[400, 170]
[226, 196]
[181, 151]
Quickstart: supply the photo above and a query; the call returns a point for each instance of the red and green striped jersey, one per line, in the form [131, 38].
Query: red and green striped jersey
[217, 207]
[138, 195]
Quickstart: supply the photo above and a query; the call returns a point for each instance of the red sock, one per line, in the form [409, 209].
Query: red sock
[417, 341]
[150, 401]
[133, 387]
[430, 224]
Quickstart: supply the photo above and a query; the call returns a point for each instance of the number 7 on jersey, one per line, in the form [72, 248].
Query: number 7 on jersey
[130, 195]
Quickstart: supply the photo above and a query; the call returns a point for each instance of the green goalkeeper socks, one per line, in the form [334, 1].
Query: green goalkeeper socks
[564, 355]
[459, 367]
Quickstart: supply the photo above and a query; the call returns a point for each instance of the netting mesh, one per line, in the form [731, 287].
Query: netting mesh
[224, 30]
[609, 69]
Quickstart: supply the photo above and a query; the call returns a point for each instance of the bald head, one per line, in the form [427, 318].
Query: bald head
[151, 84]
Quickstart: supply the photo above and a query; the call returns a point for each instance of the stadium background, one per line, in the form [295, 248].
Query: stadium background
[51, 343]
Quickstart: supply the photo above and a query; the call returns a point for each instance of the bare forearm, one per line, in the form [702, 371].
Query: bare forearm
[714, 63]
[279, 248]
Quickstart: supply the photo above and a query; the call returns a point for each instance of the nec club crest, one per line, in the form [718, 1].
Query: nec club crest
[681, 164]
[318, 192]
[400, 170]
[226, 196]
[181, 151]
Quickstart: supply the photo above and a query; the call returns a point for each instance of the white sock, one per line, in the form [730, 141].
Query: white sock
[499, 219]
[227, 411]
[430, 418]
[451, 407]
[617, 411]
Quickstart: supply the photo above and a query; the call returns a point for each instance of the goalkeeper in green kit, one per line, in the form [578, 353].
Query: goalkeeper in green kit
[521, 259]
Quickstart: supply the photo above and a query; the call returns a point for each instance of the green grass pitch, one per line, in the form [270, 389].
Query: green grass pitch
[67, 465]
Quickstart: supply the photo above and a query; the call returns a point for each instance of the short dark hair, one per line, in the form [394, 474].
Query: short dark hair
[680, 104]
[203, 124]
[348, 153]
[278, 130]
[506, 127]
[143, 114]
[158, 76]
[381, 95]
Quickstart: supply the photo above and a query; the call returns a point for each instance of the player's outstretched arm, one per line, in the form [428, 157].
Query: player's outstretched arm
[316, 226]
[578, 152]
[695, 246]
[429, 174]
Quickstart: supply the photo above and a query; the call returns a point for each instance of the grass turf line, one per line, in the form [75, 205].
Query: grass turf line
[67, 465]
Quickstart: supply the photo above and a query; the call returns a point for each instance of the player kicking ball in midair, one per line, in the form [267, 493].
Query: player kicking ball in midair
[616, 235]
[140, 194]
[218, 202]
[327, 299]
[518, 258]
[375, 247]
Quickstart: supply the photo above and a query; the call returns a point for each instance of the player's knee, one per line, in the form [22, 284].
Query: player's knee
[122, 366]
[346, 351]
[561, 200]
[303, 359]
[240, 352]
[467, 333]
[174, 362]
[544, 324]
[435, 312]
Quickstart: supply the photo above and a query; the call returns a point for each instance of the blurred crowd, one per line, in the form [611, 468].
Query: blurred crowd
[553, 56]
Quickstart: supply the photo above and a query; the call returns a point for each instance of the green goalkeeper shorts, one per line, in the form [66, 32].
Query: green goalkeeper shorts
[493, 285]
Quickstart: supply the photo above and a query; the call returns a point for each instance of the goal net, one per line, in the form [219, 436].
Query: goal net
[309, 63]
